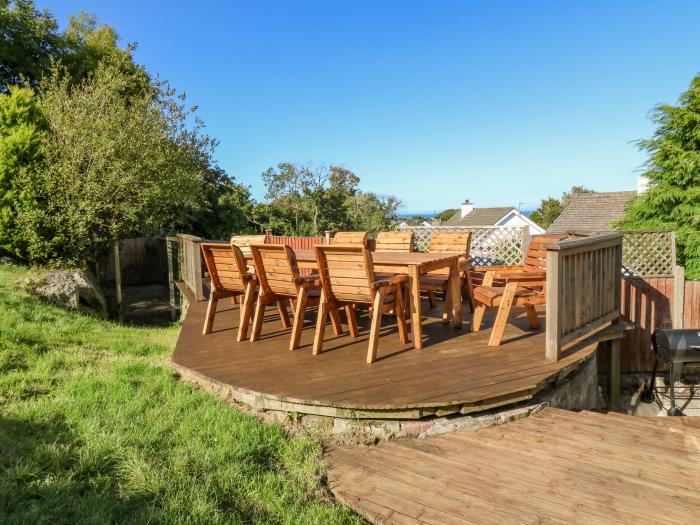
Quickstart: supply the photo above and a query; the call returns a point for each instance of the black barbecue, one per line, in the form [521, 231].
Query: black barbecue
[675, 347]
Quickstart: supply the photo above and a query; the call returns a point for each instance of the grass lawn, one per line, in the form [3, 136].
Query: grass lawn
[93, 430]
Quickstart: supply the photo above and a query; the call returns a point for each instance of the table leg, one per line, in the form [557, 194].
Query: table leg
[416, 328]
[456, 295]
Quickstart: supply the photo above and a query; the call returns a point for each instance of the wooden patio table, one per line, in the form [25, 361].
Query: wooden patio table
[413, 264]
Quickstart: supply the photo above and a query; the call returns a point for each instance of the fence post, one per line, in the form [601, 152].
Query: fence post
[678, 296]
[118, 281]
[268, 236]
[552, 346]
[328, 237]
[171, 276]
[525, 241]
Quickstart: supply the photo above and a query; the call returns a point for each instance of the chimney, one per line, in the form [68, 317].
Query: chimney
[466, 208]
[642, 184]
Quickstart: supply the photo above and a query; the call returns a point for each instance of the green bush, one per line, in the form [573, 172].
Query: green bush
[22, 129]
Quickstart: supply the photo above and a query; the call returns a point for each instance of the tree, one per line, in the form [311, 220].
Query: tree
[673, 169]
[29, 40]
[444, 215]
[22, 128]
[113, 165]
[550, 208]
[372, 213]
[30, 43]
[307, 200]
[224, 207]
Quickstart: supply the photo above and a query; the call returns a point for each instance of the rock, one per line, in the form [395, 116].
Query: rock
[75, 289]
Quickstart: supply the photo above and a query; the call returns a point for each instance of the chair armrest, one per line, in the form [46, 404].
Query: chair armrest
[391, 281]
[521, 276]
[501, 268]
[307, 280]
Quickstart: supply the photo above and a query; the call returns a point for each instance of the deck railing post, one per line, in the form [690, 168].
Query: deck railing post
[525, 236]
[328, 237]
[552, 346]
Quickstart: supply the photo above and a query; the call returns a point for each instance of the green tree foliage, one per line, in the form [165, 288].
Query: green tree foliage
[444, 215]
[113, 165]
[30, 43]
[551, 208]
[307, 200]
[223, 207]
[21, 130]
[29, 40]
[673, 169]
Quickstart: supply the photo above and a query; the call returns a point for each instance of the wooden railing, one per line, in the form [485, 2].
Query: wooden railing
[191, 264]
[583, 288]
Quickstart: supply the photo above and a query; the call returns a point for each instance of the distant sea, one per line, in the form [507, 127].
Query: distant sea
[431, 214]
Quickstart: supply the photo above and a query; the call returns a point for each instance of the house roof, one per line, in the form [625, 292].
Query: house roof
[592, 212]
[478, 217]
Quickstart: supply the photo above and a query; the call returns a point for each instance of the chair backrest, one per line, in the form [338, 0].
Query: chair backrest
[346, 272]
[225, 265]
[536, 256]
[244, 241]
[276, 268]
[398, 241]
[350, 239]
[450, 242]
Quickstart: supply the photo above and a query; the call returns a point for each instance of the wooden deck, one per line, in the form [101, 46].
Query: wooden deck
[455, 371]
[553, 467]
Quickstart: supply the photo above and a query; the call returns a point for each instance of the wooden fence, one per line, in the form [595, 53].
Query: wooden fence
[583, 288]
[649, 303]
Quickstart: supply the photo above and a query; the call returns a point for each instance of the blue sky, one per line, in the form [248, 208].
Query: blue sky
[499, 102]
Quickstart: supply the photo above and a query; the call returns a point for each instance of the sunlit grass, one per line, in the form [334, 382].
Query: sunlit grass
[92, 430]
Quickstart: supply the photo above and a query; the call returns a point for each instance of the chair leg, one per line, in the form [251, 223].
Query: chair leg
[432, 300]
[502, 317]
[352, 320]
[258, 319]
[284, 314]
[211, 312]
[246, 311]
[335, 319]
[447, 305]
[400, 315]
[320, 325]
[299, 317]
[234, 299]
[532, 317]
[376, 325]
[478, 317]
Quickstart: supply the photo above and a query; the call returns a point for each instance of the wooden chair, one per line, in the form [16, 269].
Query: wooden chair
[350, 239]
[279, 279]
[229, 278]
[522, 285]
[244, 241]
[397, 241]
[438, 281]
[347, 277]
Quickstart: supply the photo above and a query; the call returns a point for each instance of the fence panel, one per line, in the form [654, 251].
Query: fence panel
[296, 243]
[490, 245]
[691, 310]
[191, 264]
[649, 253]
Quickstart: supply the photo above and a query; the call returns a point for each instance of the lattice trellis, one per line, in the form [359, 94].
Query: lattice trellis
[490, 245]
[649, 253]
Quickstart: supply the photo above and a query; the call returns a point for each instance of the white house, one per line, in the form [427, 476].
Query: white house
[468, 215]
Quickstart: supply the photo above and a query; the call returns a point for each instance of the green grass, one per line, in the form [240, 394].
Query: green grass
[92, 430]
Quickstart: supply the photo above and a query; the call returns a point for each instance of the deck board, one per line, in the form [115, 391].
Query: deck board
[553, 467]
[455, 371]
